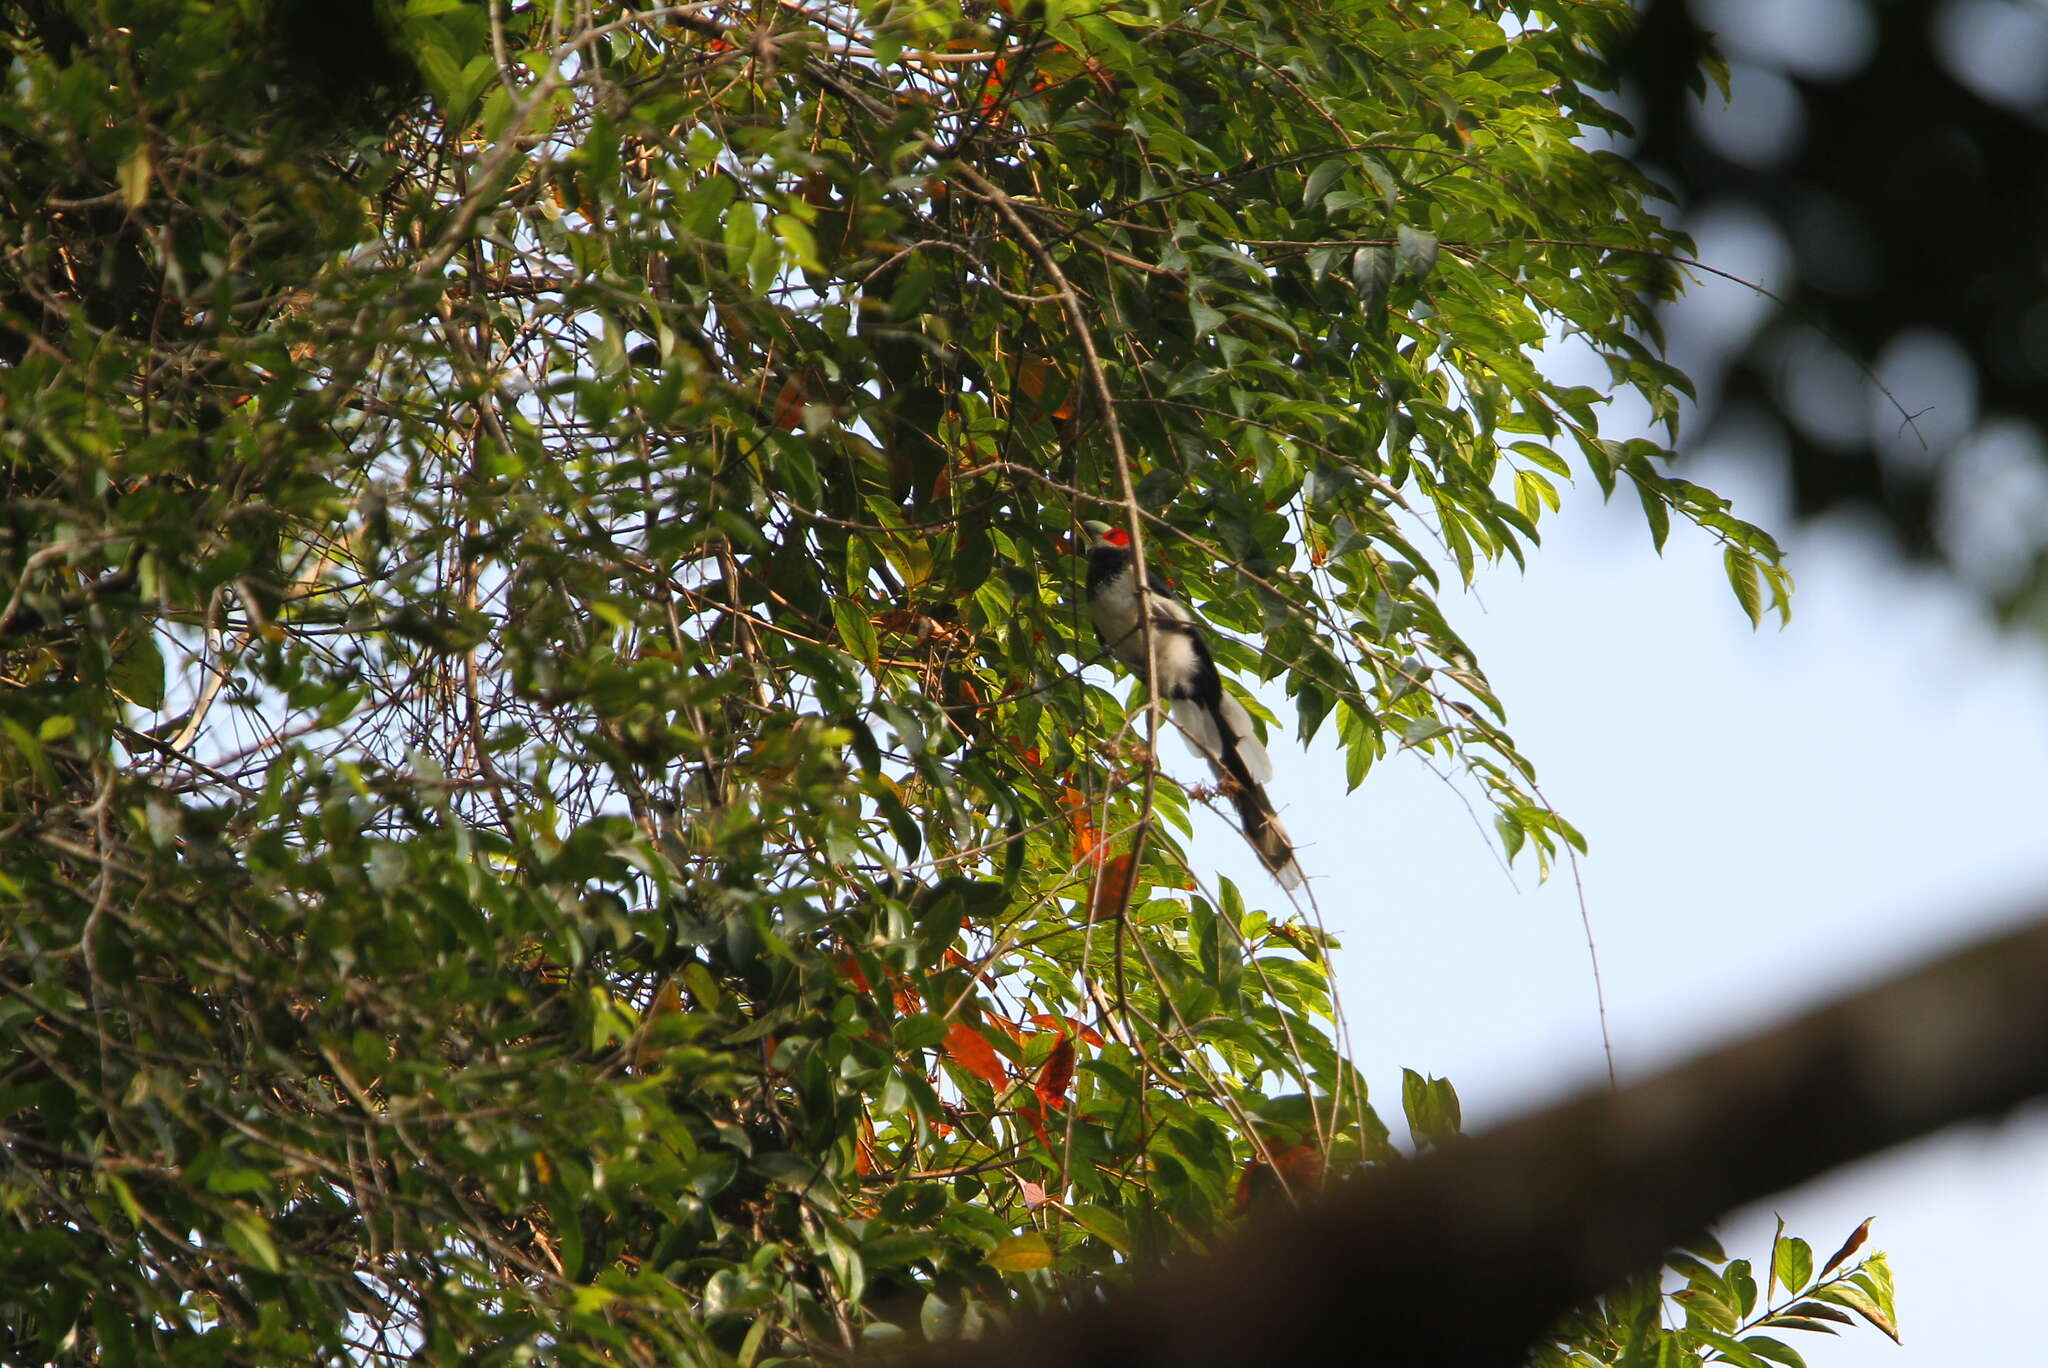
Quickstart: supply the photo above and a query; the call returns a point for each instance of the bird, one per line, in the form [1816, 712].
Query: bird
[1215, 724]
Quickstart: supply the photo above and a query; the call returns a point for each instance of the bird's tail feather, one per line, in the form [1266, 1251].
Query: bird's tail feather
[1262, 828]
[1227, 742]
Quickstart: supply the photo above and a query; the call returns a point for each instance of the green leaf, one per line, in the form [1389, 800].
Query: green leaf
[137, 673]
[479, 74]
[1533, 494]
[1417, 250]
[1706, 1309]
[1423, 729]
[1792, 1264]
[1742, 577]
[1320, 180]
[248, 1234]
[1656, 511]
[1382, 179]
[856, 631]
[1372, 273]
[1432, 1110]
[796, 237]
[1104, 1224]
[1777, 1351]
[1860, 1300]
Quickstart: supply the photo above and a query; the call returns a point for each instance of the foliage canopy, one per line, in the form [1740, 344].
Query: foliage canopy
[555, 799]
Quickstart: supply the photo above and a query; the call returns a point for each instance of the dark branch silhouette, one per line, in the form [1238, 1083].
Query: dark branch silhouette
[1469, 1255]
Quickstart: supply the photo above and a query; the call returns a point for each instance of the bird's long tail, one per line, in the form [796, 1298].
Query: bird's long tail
[1224, 737]
[1262, 828]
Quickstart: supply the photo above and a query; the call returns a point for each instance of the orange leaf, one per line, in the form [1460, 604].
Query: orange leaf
[849, 969]
[788, 413]
[1056, 1075]
[959, 961]
[970, 1049]
[1069, 1026]
[1085, 839]
[1031, 373]
[864, 1148]
[1034, 374]
[1111, 889]
[1034, 1114]
[1849, 1246]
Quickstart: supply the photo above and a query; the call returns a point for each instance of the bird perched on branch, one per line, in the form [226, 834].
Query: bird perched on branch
[1215, 724]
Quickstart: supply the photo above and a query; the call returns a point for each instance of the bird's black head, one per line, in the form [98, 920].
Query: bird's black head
[1108, 550]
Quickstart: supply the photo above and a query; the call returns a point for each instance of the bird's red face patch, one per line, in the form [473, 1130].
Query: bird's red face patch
[1116, 536]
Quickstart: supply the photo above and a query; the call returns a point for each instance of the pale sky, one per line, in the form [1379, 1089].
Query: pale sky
[1774, 817]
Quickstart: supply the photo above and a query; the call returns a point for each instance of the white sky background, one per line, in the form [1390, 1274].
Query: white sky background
[1775, 818]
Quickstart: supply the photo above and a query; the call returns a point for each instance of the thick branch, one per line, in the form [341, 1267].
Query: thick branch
[1467, 1257]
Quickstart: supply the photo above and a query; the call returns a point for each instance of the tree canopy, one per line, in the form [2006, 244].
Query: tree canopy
[1874, 290]
[556, 801]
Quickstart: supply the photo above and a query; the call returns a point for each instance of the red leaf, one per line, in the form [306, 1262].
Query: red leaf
[788, 413]
[1056, 1075]
[864, 1161]
[1035, 1115]
[970, 1049]
[1111, 888]
[1031, 373]
[960, 961]
[1009, 1027]
[1086, 841]
[849, 969]
[1068, 1026]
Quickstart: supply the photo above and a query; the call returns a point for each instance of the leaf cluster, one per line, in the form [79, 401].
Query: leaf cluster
[555, 799]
